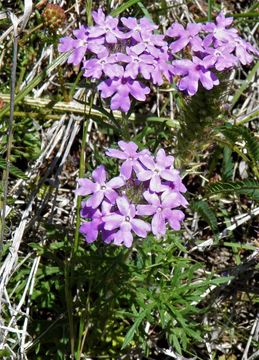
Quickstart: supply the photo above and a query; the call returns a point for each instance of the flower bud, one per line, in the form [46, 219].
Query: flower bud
[53, 16]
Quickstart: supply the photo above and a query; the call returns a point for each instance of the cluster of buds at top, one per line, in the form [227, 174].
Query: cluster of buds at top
[144, 197]
[125, 56]
[53, 16]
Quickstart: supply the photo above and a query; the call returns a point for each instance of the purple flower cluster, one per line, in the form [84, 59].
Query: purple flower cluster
[147, 189]
[211, 48]
[126, 55]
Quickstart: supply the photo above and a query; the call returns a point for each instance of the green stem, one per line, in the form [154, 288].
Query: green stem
[243, 156]
[73, 88]
[69, 304]
[9, 138]
[248, 118]
[125, 126]
[81, 174]
[210, 3]
[70, 266]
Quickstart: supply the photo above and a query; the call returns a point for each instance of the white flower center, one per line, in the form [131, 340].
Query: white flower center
[82, 43]
[127, 218]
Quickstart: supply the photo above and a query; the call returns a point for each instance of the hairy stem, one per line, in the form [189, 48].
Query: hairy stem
[125, 126]
[9, 138]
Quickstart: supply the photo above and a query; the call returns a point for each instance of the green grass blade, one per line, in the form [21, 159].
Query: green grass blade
[246, 83]
[124, 7]
[59, 61]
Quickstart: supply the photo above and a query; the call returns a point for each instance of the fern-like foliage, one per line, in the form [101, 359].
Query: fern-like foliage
[249, 188]
[236, 133]
[26, 142]
[206, 213]
[13, 169]
[227, 164]
[199, 115]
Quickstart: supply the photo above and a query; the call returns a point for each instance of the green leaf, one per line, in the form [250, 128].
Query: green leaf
[221, 280]
[176, 344]
[235, 133]
[34, 82]
[13, 169]
[227, 165]
[145, 11]
[245, 84]
[207, 214]
[240, 246]
[247, 187]
[130, 334]
[124, 7]
[252, 144]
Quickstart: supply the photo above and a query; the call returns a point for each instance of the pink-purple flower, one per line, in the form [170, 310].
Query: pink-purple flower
[125, 220]
[161, 207]
[120, 89]
[119, 215]
[129, 154]
[185, 37]
[100, 189]
[126, 56]
[156, 170]
[106, 26]
[192, 73]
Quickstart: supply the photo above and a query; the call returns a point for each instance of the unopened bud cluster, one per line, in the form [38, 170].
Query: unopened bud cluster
[53, 16]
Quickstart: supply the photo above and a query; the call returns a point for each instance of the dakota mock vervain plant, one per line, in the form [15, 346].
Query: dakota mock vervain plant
[125, 56]
[148, 188]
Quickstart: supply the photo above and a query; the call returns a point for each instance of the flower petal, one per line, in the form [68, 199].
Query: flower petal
[89, 230]
[126, 169]
[123, 205]
[158, 224]
[116, 182]
[146, 210]
[140, 227]
[86, 187]
[174, 219]
[111, 195]
[115, 153]
[152, 198]
[99, 174]
[95, 200]
[129, 147]
[168, 174]
[170, 200]
[148, 162]
[144, 175]
[155, 183]
[112, 221]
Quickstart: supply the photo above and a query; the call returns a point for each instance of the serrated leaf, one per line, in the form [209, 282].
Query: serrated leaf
[247, 187]
[227, 165]
[176, 344]
[235, 133]
[207, 214]
[13, 170]
[130, 334]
